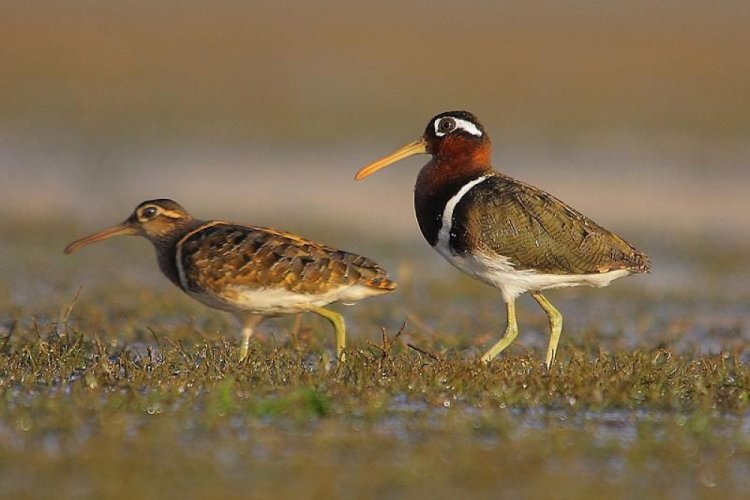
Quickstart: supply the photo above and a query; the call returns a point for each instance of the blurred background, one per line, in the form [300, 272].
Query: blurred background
[635, 113]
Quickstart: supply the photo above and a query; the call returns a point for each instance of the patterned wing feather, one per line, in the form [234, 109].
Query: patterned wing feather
[221, 254]
[537, 231]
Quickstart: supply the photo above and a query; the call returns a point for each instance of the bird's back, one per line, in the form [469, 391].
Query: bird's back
[221, 256]
[536, 231]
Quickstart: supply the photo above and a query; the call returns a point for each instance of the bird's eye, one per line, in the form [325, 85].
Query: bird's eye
[148, 213]
[446, 125]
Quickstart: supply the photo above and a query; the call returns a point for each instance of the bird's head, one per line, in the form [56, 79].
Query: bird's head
[452, 136]
[156, 220]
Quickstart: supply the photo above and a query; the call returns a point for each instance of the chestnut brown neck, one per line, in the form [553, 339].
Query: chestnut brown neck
[438, 181]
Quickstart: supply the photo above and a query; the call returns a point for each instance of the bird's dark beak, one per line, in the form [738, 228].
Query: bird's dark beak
[126, 228]
[411, 149]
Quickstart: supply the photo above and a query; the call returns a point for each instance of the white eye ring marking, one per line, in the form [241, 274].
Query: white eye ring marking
[464, 125]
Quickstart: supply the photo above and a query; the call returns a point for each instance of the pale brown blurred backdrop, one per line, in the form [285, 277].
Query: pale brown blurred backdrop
[635, 113]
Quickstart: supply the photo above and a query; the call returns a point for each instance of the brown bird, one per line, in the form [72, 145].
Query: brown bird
[505, 233]
[252, 272]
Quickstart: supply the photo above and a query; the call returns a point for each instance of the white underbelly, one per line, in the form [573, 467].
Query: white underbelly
[271, 301]
[498, 272]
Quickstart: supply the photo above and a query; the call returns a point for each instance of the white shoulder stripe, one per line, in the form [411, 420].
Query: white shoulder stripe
[178, 264]
[444, 235]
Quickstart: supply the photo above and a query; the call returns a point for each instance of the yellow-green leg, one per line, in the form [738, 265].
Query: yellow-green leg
[339, 327]
[511, 332]
[249, 322]
[555, 326]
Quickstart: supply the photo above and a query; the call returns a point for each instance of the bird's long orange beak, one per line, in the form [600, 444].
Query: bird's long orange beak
[119, 230]
[411, 149]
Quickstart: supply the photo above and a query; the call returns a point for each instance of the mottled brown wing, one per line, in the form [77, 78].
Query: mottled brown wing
[535, 230]
[222, 254]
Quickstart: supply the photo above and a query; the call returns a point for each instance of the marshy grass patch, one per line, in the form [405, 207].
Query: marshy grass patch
[187, 415]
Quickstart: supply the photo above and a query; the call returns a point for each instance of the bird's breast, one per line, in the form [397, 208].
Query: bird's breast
[433, 192]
